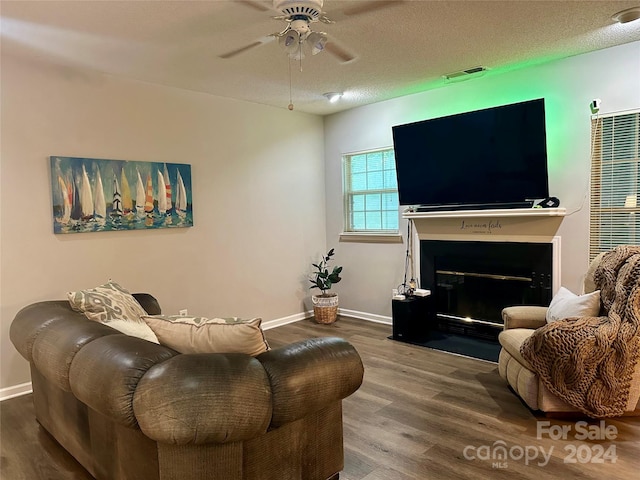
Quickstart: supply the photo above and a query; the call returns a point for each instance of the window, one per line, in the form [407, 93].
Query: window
[615, 178]
[371, 192]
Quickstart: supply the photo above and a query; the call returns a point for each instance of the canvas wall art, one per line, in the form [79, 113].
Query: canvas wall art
[91, 195]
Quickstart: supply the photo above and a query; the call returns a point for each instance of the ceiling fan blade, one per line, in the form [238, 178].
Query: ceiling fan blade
[325, 19]
[261, 7]
[339, 52]
[250, 46]
[240, 50]
[366, 7]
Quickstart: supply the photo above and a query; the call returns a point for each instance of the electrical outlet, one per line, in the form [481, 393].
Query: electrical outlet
[183, 312]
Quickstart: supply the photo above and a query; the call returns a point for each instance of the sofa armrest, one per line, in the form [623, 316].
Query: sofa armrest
[149, 303]
[522, 316]
[203, 398]
[307, 376]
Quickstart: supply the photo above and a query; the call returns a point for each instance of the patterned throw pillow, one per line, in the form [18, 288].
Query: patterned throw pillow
[209, 335]
[134, 329]
[107, 302]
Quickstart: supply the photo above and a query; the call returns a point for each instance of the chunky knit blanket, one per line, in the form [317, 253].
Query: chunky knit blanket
[588, 362]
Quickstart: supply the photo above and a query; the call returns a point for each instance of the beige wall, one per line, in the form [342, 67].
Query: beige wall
[258, 189]
[261, 212]
[568, 86]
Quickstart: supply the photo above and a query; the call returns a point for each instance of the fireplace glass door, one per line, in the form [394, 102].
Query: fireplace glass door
[474, 281]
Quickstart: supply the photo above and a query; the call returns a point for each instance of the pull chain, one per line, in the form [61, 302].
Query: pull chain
[290, 107]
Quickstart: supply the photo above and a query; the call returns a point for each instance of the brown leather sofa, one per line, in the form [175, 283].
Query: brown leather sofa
[128, 409]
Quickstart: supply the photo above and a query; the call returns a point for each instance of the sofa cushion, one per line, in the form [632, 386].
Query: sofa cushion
[208, 335]
[566, 304]
[512, 339]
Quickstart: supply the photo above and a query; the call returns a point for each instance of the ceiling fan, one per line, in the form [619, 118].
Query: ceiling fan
[298, 38]
[299, 16]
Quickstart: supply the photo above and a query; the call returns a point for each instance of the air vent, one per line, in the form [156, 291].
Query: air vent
[465, 74]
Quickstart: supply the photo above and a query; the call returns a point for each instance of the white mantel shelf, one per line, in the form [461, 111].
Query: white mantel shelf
[493, 213]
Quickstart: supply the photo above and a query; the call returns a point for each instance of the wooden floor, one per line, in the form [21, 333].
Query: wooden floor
[420, 414]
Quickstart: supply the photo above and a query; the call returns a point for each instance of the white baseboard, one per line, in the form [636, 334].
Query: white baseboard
[278, 322]
[371, 317]
[15, 391]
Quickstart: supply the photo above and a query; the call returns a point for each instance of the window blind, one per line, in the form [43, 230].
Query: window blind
[615, 178]
[371, 192]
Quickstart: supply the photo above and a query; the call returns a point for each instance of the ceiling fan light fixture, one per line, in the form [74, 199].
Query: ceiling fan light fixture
[628, 15]
[317, 41]
[333, 97]
[290, 41]
[300, 25]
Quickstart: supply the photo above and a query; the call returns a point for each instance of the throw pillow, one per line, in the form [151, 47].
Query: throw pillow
[106, 302]
[566, 304]
[134, 329]
[209, 335]
[114, 306]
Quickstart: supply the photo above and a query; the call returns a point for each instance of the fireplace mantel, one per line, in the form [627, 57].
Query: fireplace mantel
[493, 213]
[507, 225]
[463, 270]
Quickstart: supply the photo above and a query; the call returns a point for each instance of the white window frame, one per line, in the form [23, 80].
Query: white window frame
[364, 235]
[615, 181]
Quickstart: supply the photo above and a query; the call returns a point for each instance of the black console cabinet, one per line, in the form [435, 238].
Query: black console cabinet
[411, 319]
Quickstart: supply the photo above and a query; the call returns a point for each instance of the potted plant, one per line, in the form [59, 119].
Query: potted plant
[325, 305]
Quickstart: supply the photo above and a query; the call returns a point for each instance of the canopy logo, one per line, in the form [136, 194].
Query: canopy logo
[500, 454]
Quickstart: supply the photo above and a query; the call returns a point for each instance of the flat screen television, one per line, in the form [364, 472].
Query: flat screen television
[491, 158]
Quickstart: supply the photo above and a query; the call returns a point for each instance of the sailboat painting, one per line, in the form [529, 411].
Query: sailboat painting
[93, 195]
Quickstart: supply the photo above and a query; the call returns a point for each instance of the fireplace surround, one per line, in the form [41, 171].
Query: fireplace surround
[472, 281]
[475, 262]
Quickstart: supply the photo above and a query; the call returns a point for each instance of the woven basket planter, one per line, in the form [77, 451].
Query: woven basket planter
[325, 309]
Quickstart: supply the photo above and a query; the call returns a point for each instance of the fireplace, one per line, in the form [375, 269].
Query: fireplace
[472, 281]
[476, 262]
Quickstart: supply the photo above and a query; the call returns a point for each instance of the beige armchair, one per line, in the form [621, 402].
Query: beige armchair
[519, 324]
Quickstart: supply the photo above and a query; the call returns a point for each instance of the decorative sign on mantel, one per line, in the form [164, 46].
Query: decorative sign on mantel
[536, 228]
[480, 226]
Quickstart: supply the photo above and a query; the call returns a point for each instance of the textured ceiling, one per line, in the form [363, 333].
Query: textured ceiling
[400, 47]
